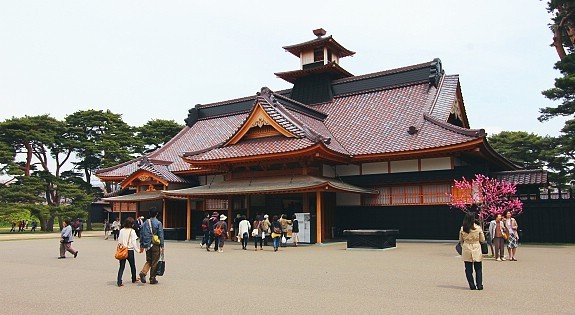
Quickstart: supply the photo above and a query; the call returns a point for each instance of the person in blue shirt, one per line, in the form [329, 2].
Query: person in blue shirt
[150, 228]
[66, 239]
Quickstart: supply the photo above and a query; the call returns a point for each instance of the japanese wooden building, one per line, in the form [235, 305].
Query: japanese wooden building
[378, 150]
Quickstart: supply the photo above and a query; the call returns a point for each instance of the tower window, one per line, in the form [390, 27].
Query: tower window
[318, 54]
[329, 55]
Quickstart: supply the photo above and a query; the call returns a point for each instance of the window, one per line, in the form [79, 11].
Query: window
[329, 58]
[216, 204]
[318, 54]
[409, 195]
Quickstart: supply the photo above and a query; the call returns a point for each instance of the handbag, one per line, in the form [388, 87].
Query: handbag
[284, 240]
[121, 250]
[161, 266]
[255, 230]
[458, 248]
[155, 238]
[484, 249]
[506, 236]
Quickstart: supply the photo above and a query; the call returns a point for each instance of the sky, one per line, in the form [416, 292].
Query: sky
[156, 59]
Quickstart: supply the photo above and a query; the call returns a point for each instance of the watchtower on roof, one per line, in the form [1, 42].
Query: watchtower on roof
[319, 51]
[319, 61]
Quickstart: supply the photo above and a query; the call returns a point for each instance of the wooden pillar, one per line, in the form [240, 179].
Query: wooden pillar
[230, 219]
[189, 220]
[319, 215]
[164, 214]
[248, 199]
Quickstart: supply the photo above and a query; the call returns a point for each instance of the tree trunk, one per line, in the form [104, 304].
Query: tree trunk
[28, 158]
[60, 222]
[558, 42]
[89, 220]
[50, 223]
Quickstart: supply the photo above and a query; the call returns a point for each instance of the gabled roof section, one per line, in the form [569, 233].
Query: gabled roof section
[448, 102]
[523, 177]
[268, 111]
[159, 172]
[327, 41]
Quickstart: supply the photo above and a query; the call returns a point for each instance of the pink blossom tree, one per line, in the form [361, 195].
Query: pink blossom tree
[485, 196]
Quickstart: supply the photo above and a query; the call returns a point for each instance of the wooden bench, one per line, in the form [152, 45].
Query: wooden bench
[371, 239]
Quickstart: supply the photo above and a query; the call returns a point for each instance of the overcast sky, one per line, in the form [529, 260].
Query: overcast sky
[156, 59]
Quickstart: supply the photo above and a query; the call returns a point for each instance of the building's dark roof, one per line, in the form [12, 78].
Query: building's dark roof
[523, 177]
[332, 68]
[328, 41]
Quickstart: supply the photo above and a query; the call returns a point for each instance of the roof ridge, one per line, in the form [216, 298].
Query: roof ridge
[235, 100]
[478, 133]
[111, 168]
[298, 103]
[382, 73]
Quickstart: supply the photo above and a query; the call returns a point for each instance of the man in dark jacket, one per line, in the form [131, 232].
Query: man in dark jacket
[205, 230]
[211, 223]
[151, 227]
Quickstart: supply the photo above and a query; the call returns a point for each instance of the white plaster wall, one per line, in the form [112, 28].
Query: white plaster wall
[307, 57]
[347, 199]
[404, 166]
[443, 163]
[346, 170]
[212, 179]
[374, 168]
[328, 170]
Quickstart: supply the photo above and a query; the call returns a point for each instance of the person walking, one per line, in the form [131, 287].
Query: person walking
[152, 241]
[138, 225]
[205, 230]
[211, 223]
[66, 239]
[116, 228]
[220, 232]
[496, 230]
[295, 230]
[13, 229]
[276, 228]
[511, 229]
[244, 228]
[266, 228]
[470, 237]
[236, 226]
[20, 226]
[284, 222]
[106, 228]
[34, 225]
[80, 228]
[127, 238]
[257, 232]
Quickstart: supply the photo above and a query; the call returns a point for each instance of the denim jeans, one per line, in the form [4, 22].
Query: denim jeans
[277, 241]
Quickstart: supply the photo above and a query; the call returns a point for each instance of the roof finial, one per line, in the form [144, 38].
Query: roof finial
[319, 32]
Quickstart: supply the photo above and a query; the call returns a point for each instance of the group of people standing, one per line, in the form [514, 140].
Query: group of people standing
[215, 228]
[502, 228]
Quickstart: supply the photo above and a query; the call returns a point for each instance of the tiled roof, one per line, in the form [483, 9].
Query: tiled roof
[328, 40]
[268, 185]
[370, 114]
[378, 122]
[251, 147]
[523, 177]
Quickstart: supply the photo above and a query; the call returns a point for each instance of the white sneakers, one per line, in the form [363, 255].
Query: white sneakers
[503, 259]
[498, 259]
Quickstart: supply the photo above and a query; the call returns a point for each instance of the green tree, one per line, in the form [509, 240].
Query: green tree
[100, 139]
[157, 132]
[522, 148]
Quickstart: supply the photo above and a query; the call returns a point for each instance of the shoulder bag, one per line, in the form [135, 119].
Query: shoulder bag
[121, 250]
[155, 238]
[256, 229]
[458, 248]
[484, 249]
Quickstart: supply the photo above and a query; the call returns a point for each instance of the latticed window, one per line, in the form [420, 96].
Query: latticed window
[409, 195]
[216, 204]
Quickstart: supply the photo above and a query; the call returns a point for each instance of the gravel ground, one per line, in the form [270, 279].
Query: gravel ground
[415, 278]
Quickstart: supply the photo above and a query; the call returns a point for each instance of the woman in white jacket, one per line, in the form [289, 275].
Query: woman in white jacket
[244, 231]
[128, 238]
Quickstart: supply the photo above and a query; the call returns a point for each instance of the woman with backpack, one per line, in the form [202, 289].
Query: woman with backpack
[276, 232]
[220, 231]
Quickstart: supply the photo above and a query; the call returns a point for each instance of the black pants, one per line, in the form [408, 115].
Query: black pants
[257, 239]
[206, 237]
[211, 239]
[469, 266]
[132, 262]
[245, 240]
[115, 233]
